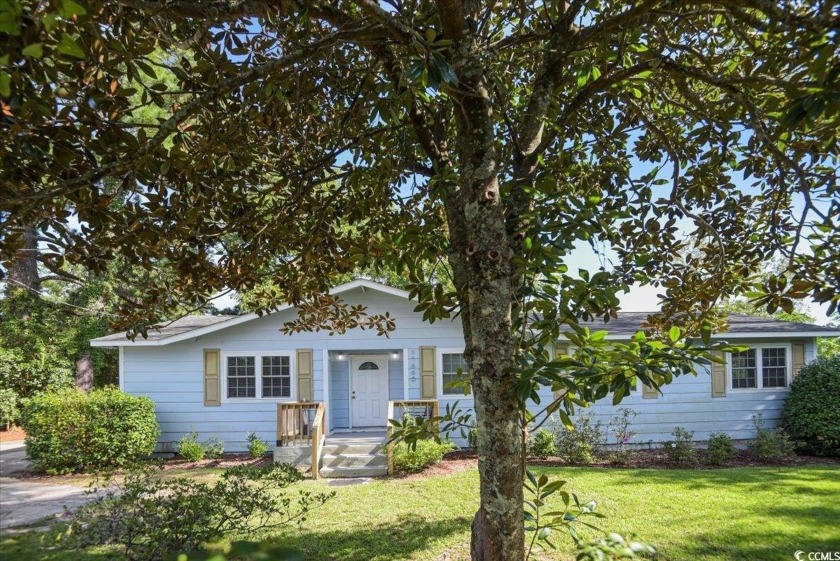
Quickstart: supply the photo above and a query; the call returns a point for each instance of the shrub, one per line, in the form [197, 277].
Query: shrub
[472, 438]
[769, 444]
[719, 448]
[9, 407]
[580, 444]
[149, 518]
[542, 444]
[214, 448]
[70, 431]
[620, 427]
[811, 415]
[257, 447]
[680, 450]
[190, 448]
[426, 452]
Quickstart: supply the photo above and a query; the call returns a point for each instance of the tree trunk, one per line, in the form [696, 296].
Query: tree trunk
[84, 372]
[22, 275]
[23, 271]
[484, 256]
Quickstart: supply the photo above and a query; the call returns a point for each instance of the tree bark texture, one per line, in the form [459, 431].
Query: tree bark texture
[84, 372]
[483, 256]
[23, 271]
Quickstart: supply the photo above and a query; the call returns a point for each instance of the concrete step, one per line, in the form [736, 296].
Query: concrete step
[359, 471]
[353, 460]
[361, 448]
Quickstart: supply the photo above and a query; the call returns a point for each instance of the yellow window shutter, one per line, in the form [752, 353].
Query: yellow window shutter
[304, 374]
[649, 392]
[718, 377]
[798, 357]
[212, 378]
[427, 373]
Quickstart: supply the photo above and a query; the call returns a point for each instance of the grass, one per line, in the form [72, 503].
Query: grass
[749, 514]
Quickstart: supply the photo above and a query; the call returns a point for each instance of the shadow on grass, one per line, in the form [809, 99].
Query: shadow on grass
[42, 546]
[775, 540]
[792, 479]
[400, 539]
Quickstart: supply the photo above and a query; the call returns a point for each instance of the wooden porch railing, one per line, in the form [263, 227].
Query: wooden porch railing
[427, 408]
[302, 424]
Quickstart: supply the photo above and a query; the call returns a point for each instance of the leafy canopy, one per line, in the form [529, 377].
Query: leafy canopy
[278, 124]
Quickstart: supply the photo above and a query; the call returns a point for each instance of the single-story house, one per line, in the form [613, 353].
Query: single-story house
[225, 376]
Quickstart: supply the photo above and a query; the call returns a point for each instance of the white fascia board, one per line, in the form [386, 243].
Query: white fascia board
[192, 334]
[744, 335]
[774, 335]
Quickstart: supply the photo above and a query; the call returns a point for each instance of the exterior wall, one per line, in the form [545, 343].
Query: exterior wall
[339, 388]
[172, 375]
[688, 403]
[339, 405]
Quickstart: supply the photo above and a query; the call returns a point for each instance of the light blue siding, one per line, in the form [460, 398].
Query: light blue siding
[395, 378]
[339, 414]
[172, 376]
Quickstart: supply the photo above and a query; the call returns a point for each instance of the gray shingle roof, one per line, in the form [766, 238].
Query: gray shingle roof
[629, 323]
[166, 330]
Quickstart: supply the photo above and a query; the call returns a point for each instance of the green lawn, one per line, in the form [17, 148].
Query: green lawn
[759, 514]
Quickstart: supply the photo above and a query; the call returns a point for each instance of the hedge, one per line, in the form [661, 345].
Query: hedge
[70, 431]
[811, 415]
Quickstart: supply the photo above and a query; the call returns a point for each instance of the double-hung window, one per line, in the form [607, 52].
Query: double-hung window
[760, 367]
[257, 376]
[454, 373]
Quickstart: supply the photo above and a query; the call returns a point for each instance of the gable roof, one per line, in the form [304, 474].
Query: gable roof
[625, 326]
[741, 326]
[189, 327]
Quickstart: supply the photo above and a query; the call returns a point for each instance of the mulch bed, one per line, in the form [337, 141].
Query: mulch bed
[648, 459]
[15, 434]
[226, 461]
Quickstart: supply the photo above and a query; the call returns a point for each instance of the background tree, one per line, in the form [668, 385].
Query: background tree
[499, 135]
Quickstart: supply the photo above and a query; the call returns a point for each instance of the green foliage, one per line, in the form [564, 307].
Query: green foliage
[614, 546]
[69, 431]
[426, 452]
[9, 407]
[214, 448]
[681, 450]
[257, 448]
[273, 167]
[542, 522]
[242, 550]
[413, 429]
[719, 449]
[542, 444]
[580, 444]
[190, 448]
[148, 517]
[812, 415]
[35, 356]
[472, 438]
[769, 445]
[828, 347]
[621, 428]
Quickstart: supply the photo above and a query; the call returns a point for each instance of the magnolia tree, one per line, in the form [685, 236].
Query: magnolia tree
[467, 146]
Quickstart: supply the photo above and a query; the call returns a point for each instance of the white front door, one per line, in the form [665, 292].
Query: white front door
[369, 391]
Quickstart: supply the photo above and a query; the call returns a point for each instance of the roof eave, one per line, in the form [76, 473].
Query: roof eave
[192, 334]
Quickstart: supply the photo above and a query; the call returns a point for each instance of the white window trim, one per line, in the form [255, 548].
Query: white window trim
[760, 367]
[258, 372]
[439, 374]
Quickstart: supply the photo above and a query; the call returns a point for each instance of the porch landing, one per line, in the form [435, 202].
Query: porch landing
[357, 437]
